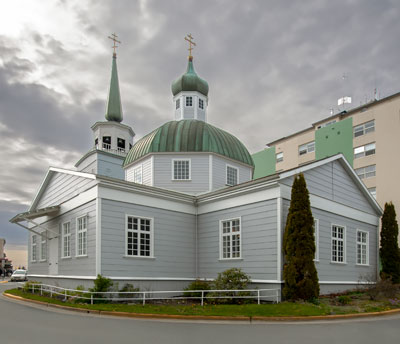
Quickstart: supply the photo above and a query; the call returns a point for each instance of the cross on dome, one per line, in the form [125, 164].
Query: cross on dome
[189, 38]
[114, 39]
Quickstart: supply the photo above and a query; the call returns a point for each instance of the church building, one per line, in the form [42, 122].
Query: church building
[181, 204]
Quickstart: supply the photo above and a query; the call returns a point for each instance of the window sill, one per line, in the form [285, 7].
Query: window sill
[139, 257]
[229, 259]
[82, 256]
[363, 265]
[181, 180]
[68, 257]
[316, 260]
[339, 263]
[42, 260]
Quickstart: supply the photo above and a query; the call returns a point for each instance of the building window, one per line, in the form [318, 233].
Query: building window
[177, 104]
[139, 237]
[338, 244]
[201, 104]
[121, 145]
[231, 175]
[366, 172]
[316, 238]
[366, 150]
[362, 248]
[372, 191]
[107, 142]
[279, 157]
[230, 241]
[307, 148]
[365, 128]
[43, 248]
[66, 240]
[34, 248]
[81, 235]
[189, 101]
[137, 175]
[181, 169]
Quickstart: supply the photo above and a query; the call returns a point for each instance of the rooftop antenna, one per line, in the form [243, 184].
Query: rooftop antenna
[345, 99]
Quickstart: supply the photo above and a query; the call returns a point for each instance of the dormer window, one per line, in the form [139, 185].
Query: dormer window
[107, 142]
[178, 103]
[189, 101]
[201, 104]
[120, 145]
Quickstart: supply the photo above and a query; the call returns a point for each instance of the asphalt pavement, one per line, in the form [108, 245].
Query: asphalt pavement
[21, 323]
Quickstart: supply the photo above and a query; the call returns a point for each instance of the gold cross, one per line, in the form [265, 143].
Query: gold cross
[189, 39]
[114, 39]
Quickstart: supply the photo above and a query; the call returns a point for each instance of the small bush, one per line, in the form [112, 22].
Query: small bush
[196, 285]
[28, 286]
[129, 288]
[101, 285]
[344, 299]
[384, 288]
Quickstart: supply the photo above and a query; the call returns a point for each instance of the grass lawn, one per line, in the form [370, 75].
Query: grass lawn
[357, 303]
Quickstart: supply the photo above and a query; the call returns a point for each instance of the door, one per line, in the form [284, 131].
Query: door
[53, 256]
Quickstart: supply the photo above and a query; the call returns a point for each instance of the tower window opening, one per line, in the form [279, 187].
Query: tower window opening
[189, 101]
[121, 145]
[178, 103]
[107, 142]
[201, 104]
[96, 142]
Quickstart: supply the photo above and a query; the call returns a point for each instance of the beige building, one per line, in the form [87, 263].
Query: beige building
[368, 136]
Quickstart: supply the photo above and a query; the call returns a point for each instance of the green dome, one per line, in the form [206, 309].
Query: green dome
[189, 135]
[190, 81]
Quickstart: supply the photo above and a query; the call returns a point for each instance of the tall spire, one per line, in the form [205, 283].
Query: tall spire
[114, 106]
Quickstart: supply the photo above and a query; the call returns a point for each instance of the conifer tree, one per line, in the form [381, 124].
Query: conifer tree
[299, 272]
[389, 252]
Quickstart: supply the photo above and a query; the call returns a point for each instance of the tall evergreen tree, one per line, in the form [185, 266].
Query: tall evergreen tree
[389, 252]
[299, 272]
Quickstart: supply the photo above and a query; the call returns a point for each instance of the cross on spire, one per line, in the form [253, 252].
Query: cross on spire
[113, 37]
[189, 38]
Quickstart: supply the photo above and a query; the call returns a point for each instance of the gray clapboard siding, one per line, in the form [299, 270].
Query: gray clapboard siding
[89, 164]
[219, 172]
[82, 266]
[259, 246]
[174, 242]
[63, 187]
[199, 173]
[110, 166]
[332, 181]
[146, 171]
[350, 271]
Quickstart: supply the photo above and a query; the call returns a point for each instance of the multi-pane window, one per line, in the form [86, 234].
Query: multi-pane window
[364, 128]
[34, 248]
[372, 191]
[316, 238]
[139, 237]
[137, 175]
[307, 148]
[366, 150]
[178, 104]
[231, 175]
[43, 249]
[81, 235]
[366, 172]
[230, 239]
[189, 101]
[181, 169]
[66, 240]
[201, 104]
[362, 247]
[338, 244]
[279, 157]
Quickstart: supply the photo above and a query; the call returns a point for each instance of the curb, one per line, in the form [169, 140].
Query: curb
[211, 317]
[3, 282]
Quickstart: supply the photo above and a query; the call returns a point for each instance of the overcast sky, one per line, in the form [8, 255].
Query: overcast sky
[273, 67]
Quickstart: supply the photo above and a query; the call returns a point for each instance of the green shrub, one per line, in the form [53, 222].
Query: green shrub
[28, 286]
[196, 285]
[101, 285]
[129, 288]
[383, 288]
[344, 299]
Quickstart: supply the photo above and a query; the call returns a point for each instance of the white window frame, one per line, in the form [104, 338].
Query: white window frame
[187, 99]
[362, 174]
[366, 244]
[316, 238]
[78, 231]
[173, 169]
[43, 243]
[306, 148]
[231, 234]
[363, 130]
[279, 157]
[338, 239]
[66, 238]
[151, 232]
[138, 171]
[365, 150]
[34, 248]
[226, 174]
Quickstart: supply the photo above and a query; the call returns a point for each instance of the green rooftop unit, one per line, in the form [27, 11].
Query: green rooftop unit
[264, 162]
